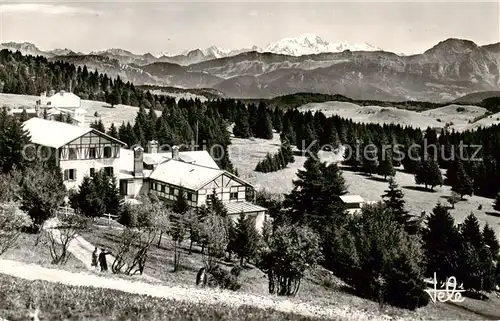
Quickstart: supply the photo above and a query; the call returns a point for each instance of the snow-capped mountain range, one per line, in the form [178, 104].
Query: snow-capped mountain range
[305, 44]
[310, 44]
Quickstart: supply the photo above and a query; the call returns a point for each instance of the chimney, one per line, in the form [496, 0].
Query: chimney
[138, 161]
[175, 153]
[153, 147]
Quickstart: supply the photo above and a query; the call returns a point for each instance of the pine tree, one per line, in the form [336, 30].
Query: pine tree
[98, 125]
[24, 116]
[429, 174]
[441, 244]
[369, 157]
[180, 206]
[241, 127]
[461, 183]
[385, 167]
[246, 238]
[306, 188]
[42, 191]
[352, 152]
[491, 240]
[476, 261]
[13, 139]
[394, 199]
[113, 132]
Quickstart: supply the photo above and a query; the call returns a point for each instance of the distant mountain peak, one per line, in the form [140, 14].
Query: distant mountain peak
[309, 43]
[453, 45]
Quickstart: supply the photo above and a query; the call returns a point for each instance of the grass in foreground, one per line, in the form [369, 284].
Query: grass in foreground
[61, 302]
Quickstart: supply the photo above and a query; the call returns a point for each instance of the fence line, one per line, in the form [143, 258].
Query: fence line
[67, 210]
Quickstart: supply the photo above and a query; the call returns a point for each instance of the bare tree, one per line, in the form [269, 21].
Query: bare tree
[151, 220]
[12, 221]
[131, 254]
[62, 233]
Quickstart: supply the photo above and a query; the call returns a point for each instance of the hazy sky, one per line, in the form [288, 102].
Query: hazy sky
[163, 26]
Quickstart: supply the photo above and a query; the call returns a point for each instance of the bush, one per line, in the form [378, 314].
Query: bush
[460, 109]
[223, 279]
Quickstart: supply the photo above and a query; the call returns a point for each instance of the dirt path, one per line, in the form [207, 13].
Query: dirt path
[189, 294]
[82, 249]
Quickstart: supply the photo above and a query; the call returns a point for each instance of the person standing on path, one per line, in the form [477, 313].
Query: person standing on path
[94, 258]
[102, 260]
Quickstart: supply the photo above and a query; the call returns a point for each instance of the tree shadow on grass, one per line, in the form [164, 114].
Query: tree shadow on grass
[496, 214]
[350, 169]
[378, 179]
[419, 189]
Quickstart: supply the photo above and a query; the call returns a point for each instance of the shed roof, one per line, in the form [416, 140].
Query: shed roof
[201, 157]
[352, 199]
[242, 207]
[56, 134]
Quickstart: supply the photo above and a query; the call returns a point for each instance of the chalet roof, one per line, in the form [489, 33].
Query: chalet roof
[183, 174]
[201, 157]
[64, 94]
[352, 199]
[56, 134]
[242, 207]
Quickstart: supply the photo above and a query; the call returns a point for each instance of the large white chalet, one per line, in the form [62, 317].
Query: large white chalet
[78, 151]
[82, 151]
[62, 103]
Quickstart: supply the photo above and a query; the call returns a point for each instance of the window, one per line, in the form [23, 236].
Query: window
[92, 172]
[233, 196]
[107, 152]
[189, 196]
[70, 174]
[92, 152]
[108, 171]
[72, 153]
[171, 190]
[151, 185]
[162, 188]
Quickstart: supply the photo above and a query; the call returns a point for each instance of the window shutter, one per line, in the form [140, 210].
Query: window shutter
[74, 174]
[65, 174]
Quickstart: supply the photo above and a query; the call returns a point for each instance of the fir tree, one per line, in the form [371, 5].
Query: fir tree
[113, 132]
[306, 188]
[246, 238]
[241, 127]
[428, 173]
[180, 206]
[98, 125]
[369, 158]
[476, 269]
[385, 167]
[394, 199]
[13, 139]
[490, 239]
[441, 244]
[24, 116]
[461, 183]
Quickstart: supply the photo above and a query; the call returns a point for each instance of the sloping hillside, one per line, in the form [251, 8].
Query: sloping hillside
[108, 115]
